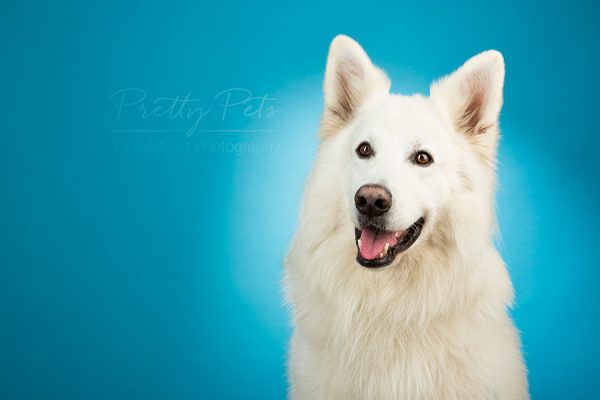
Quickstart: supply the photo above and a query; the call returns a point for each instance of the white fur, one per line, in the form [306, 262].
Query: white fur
[434, 324]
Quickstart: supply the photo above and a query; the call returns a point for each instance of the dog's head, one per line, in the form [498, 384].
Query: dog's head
[408, 157]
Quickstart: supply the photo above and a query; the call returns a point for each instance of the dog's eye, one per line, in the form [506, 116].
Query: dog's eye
[422, 158]
[364, 150]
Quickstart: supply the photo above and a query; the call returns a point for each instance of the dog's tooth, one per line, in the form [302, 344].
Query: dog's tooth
[359, 244]
[380, 255]
[386, 248]
[397, 235]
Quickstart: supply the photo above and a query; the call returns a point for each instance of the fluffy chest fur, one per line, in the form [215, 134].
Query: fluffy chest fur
[396, 336]
[338, 353]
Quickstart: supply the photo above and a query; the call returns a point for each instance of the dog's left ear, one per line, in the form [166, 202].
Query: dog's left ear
[472, 97]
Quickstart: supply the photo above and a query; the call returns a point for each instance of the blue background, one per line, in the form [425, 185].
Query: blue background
[147, 264]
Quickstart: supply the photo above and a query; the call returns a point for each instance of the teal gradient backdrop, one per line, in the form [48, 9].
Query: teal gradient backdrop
[141, 246]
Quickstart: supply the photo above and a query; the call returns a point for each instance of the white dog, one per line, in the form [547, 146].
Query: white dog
[396, 288]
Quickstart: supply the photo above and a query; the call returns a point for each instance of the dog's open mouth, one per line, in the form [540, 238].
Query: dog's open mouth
[378, 248]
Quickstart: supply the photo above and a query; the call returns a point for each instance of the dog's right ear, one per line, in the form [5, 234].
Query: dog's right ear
[350, 78]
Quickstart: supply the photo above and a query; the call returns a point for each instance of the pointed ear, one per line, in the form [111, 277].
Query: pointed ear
[350, 78]
[472, 97]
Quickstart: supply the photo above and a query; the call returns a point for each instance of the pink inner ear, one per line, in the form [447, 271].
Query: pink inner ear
[348, 76]
[350, 68]
[470, 118]
[473, 94]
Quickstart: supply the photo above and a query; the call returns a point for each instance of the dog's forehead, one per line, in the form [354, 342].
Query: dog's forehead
[406, 118]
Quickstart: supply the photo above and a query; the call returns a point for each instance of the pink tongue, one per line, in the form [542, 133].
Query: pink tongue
[373, 241]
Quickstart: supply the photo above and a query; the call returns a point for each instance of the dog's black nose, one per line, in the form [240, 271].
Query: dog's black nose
[373, 200]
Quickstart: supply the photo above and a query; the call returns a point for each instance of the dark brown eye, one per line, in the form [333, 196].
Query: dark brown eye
[364, 150]
[423, 158]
